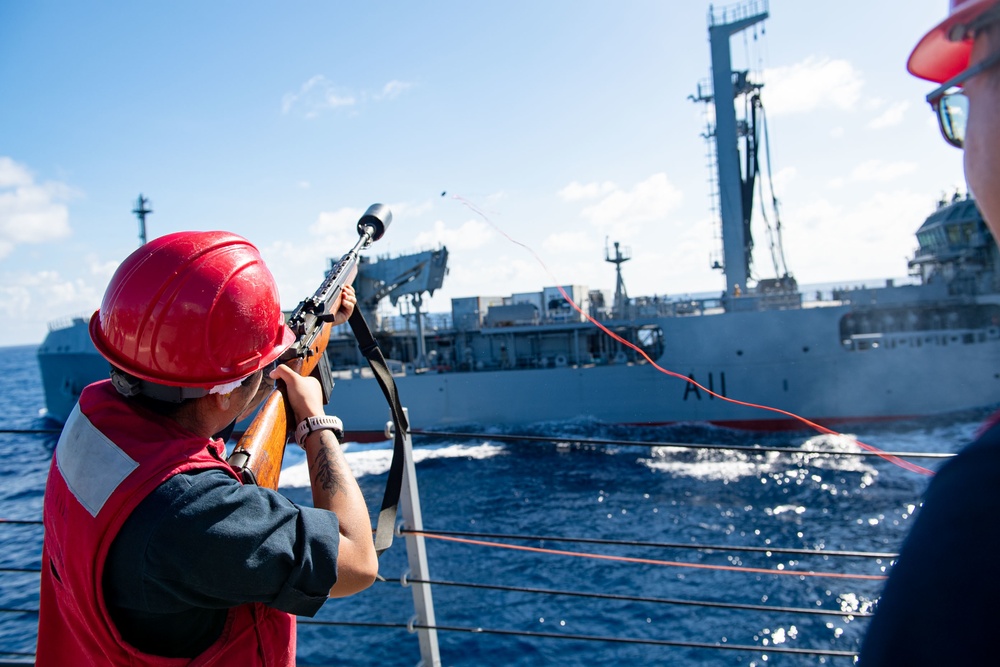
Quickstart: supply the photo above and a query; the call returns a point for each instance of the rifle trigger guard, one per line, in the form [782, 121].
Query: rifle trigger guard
[239, 462]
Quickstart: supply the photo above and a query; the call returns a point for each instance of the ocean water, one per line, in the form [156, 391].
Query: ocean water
[626, 494]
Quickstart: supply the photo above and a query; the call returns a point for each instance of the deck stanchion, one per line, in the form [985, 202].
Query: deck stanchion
[416, 553]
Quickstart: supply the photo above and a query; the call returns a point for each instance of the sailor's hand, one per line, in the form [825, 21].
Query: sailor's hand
[345, 306]
[304, 393]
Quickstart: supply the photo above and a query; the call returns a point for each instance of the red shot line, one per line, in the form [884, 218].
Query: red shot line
[651, 561]
[902, 463]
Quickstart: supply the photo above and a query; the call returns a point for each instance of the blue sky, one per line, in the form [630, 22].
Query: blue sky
[567, 122]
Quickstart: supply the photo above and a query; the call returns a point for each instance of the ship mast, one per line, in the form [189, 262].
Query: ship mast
[735, 194]
[141, 212]
[621, 295]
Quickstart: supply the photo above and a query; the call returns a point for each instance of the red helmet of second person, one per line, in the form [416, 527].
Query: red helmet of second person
[944, 51]
[191, 309]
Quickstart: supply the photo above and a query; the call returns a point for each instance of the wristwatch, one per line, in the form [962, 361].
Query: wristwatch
[324, 423]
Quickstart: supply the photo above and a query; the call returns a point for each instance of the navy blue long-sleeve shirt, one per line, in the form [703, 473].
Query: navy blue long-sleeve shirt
[202, 543]
[940, 604]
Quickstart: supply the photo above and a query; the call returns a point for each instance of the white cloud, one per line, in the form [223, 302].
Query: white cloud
[35, 299]
[784, 178]
[340, 227]
[871, 237]
[816, 213]
[337, 231]
[334, 223]
[893, 115]
[406, 210]
[504, 276]
[812, 84]
[581, 244]
[13, 174]
[319, 95]
[576, 191]
[101, 269]
[622, 212]
[470, 235]
[315, 96]
[393, 89]
[299, 267]
[881, 171]
[875, 171]
[30, 212]
[22, 293]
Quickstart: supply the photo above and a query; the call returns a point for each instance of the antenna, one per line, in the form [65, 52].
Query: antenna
[621, 295]
[141, 212]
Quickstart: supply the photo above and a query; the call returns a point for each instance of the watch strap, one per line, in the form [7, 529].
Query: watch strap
[313, 424]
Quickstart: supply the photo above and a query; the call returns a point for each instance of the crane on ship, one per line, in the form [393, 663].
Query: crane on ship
[410, 275]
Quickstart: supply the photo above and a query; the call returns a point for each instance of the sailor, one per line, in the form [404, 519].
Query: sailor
[155, 551]
[939, 606]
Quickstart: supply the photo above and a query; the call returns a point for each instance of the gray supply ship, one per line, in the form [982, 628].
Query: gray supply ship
[860, 354]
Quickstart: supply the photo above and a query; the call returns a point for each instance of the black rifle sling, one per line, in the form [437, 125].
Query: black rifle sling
[390, 500]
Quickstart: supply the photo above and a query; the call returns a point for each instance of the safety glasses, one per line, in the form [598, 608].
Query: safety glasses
[952, 106]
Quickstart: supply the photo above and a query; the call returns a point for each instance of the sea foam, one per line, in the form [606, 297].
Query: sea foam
[375, 459]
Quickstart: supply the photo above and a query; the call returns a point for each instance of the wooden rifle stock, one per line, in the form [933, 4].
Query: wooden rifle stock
[263, 443]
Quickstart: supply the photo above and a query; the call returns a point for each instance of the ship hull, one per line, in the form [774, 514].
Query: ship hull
[68, 362]
[792, 362]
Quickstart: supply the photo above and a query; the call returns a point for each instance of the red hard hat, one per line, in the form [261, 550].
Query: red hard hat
[944, 51]
[191, 309]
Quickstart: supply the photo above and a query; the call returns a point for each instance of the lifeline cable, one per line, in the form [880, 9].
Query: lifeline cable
[906, 465]
[796, 551]
[14, 610]
[638, 598]
[598, 596]
[30, 431]
[652, 561]
[658, 545]
[614, 640]
[651, 642]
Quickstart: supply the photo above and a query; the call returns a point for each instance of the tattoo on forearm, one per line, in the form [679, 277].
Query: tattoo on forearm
[326, 472]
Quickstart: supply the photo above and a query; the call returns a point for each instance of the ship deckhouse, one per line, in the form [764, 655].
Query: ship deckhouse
[956, 247]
